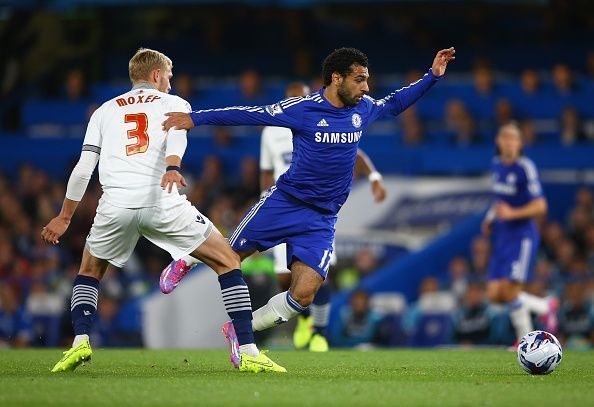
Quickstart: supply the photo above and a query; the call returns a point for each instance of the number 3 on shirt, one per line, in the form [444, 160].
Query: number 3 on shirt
[139, 133]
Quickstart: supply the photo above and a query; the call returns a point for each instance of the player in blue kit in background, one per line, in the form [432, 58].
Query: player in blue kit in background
[301, 209]
[518, 201]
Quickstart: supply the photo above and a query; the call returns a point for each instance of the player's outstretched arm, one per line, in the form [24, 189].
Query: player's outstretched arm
[77, 185]
[286, 113]
[400, 100]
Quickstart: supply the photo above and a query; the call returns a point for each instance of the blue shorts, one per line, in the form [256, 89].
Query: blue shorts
[513, 257]
[280, 218]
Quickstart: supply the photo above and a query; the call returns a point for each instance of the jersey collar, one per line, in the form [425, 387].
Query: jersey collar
[143, 85]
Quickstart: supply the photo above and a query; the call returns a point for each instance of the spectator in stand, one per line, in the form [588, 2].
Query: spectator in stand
[15, 322]
[183, 87]
[459, 273]
[579, 219]
[472, 321]
[551, 236]
[503, 112]
[358, 325]
[250, 86]
[412, 128]
[480, 253]
[460, 124]
[576, 316]
[564, 255]
[248, 188]
[563, 80]
[364, 264]
[76, 88]
[530, 82]
[572, 131]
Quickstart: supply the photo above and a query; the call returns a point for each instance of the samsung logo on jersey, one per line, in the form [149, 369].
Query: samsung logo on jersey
[338, 137]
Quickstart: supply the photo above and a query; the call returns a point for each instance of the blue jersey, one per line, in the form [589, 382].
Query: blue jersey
[515, 241]
[325, 138]
[516, 184]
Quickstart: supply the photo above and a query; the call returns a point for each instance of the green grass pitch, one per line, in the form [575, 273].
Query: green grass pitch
[338, 378]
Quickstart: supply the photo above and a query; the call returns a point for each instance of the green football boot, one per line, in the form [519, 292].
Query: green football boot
[318, 343]
[260, 363]
[303, 332]
[74, 357]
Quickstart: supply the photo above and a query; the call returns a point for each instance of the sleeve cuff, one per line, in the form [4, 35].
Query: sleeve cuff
[433, 77]
[194, 117]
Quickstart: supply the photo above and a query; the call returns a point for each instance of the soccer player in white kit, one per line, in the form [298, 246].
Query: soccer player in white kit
[276, 151]
[139, 170]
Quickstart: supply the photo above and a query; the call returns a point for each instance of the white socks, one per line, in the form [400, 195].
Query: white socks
[278, 310]
[249, 349]
[190, 261]
[520, 318]
[78, 339]
[534, 304]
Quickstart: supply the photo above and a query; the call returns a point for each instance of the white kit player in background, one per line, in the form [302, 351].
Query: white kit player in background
[276, 152]
[139, 171]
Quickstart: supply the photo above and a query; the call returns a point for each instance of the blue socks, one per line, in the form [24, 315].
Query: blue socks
[236, 298]
[83, 305]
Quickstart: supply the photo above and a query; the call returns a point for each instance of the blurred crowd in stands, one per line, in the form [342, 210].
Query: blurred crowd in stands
[554, 107]
[59, 66]
[455, 310]
[35, 278]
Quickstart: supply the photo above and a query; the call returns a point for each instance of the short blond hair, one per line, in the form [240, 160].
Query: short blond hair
[145, 61]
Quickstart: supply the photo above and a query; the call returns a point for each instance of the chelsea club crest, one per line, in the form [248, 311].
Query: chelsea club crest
[356, 120]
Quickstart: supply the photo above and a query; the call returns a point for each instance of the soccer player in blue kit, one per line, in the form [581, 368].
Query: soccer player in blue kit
[518, 201]
[301, 209]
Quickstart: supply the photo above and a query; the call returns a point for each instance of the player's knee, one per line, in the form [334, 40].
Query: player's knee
[303, 295]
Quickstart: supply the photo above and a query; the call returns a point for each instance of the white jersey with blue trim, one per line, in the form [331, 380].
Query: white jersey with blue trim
[325, 137]
[128, 135]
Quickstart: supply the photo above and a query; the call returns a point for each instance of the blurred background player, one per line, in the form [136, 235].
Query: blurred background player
[302, 208]
[519, 200]
[139, 170]
[276, 152]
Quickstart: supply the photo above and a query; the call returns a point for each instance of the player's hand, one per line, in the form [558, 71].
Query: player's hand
[52, 232]
[503, 211]
[441, 61]
[171, 178]
[178, 120]
[486, 227]
[379, 191]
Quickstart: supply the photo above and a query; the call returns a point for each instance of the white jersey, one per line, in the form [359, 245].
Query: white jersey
[276, 150]
[127, 134]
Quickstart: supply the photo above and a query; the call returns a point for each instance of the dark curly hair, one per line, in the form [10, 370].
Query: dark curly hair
[341, 60]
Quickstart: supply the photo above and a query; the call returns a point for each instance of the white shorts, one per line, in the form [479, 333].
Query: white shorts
[176, 226]
[280, 259]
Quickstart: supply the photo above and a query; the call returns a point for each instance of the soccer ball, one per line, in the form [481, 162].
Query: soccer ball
[539, 352]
